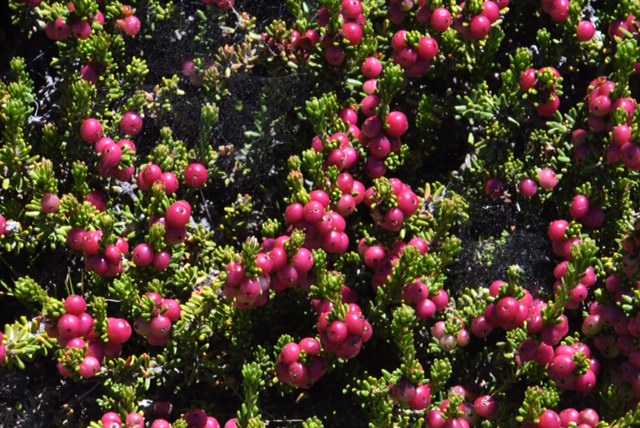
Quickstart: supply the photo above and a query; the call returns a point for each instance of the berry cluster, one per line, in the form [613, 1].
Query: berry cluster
[567, 418]
[344, 336]
[417, 397]
[324, 228]
[300, 364]
[112, 153]
[350, 34]
[544, 86]
[79, 26]
[390, 211]
[105, 261]
[157, 329]
[75, 330]
[425, 303]
[413, 56]
[382, 260]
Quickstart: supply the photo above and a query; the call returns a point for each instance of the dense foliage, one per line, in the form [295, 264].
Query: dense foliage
[384, 213]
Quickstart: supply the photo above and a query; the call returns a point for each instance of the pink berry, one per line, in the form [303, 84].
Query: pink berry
[585, 31]
[118, 330]
[428, 48]
[131, 26]
[89, 367]
[196, 175]
[91, 130]
[528, 187]
[579, 206]
[547, 179]
[480, 27]
[396, 124]
[178, 214]
[441, 19]
[131, 123]
[372, 68]
[50, 203]
[142, 255]
[75, 305]
[352, 33]
[559, 11]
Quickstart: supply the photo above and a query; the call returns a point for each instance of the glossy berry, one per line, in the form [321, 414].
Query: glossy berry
[547, 178]
[75, 305]
[372, 68]
[480, 27]
[196, 175]
[131, 123]
[91, 130]
[396, 124]
[131, 26]
[118, 330]
[178, 214]
[441, 19]
[142, 255]
[585, 31]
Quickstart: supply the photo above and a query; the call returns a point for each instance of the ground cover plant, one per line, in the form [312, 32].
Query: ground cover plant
[320, 213]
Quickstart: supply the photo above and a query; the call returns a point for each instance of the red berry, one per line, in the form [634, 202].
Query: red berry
[585, 31]
[352, 33]
[480, 27]
[396, 124]
[118, 330]
[131, 26]
[142, 255]
[428, 48]
[178, 214]
[559, 10]
[131, 123]
[441, 19]
[579, 207]
[91, 130]
[196, 175]
[372, 68]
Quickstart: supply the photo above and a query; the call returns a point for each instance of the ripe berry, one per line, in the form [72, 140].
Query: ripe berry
[196, 175]
[111, 155]
[160, 326]
[579, 207]
[91, 130]
[585, 31]
[131, 26]
[372, 68]
[131, 123]
[352, 33]
[559, 11]
[89, 367]
[178, 214]
[169, 182]
[142, 255]
[491, 10]
[396, 124]
[547, 178]
[351, 9]
[118, 330]
[480, 27]
[441, 19]
[334, 55]
[50, 203]
[161, 260]
[428, 48]
[75, 305]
